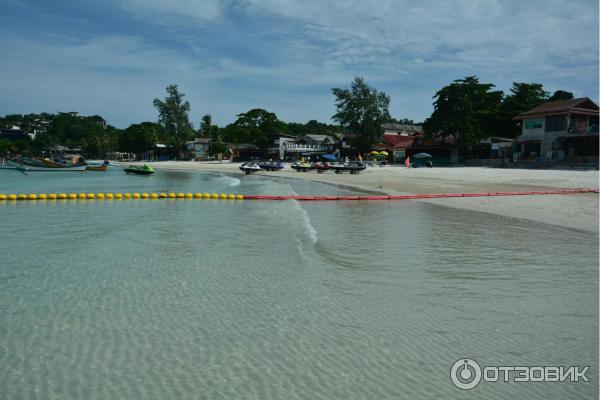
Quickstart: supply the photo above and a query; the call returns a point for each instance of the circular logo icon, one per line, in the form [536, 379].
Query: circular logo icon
[465, 374]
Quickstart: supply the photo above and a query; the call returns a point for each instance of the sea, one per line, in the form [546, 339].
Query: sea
[249, 299]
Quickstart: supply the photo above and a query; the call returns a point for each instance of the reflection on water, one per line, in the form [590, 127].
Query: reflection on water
[269, 300]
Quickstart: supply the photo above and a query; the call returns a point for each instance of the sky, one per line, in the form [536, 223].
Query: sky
[113, 58]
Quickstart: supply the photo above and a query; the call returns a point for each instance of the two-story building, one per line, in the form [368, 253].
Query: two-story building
[559, 129]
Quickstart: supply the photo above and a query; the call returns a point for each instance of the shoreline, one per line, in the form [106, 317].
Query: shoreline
[578, 211]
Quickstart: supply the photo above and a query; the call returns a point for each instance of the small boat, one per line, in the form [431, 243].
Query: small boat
[102, 167]
[250, 168]
[301, 166]
[271, 166]
[139, 170]
[24, 164]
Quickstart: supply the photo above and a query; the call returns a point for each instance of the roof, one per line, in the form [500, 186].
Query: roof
[402, 127]
[582, 105]
[320, 138]
[203, 140]
[398, 141]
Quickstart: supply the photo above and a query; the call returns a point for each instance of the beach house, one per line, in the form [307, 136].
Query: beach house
[561, 129]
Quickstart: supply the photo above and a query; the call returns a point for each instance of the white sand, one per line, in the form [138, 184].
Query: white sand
[577, 211]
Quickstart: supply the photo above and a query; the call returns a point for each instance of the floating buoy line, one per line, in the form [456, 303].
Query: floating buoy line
[230, 196]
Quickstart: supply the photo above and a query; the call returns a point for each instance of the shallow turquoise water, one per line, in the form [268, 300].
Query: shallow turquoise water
[280, 300]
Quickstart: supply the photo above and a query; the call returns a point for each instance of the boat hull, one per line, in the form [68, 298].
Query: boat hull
[100, 168]
[33, 168]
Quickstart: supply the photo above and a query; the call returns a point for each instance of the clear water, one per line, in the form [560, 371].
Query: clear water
[189, 299]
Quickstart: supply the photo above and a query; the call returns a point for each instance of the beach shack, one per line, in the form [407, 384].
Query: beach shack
[557, 130]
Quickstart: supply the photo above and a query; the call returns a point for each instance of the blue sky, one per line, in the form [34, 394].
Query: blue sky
[114, 57]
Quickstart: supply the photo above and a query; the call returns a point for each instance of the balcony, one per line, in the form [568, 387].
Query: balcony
[300, 148]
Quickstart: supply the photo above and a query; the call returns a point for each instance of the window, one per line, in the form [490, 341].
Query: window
[556, 124]
[533, 124]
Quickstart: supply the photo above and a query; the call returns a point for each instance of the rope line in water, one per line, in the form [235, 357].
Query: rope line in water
[231, 196]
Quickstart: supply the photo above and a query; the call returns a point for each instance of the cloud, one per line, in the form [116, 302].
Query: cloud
[168, 10]
[285, 55]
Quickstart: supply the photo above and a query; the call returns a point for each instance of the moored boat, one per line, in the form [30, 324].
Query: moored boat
[99, 167]
[25, 164]
[139, 170]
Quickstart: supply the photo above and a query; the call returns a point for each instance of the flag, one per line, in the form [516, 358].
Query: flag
[407, 162]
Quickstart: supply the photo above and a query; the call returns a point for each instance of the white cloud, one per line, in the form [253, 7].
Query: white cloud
[161, 10]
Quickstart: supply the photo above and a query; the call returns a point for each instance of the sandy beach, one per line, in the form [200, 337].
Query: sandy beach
[579, 211]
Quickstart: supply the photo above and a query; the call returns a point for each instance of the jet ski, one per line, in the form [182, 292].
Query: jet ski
[271, 166]
[320, 167]
[301, 166]
[250, 168]
[352, 168]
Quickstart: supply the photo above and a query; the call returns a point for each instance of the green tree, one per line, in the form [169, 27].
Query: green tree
[139, 138]
[361, 110]
[465, 109]
[561, 95]
[207, 129]
[522, 97]
[173, 115]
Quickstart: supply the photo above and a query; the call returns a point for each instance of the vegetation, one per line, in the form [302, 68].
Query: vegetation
[466, 109]
[362, 110]
[173, 116]
[471, 111]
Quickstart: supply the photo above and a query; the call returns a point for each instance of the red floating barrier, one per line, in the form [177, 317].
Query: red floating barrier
[304, 198]
[475, 194]
[320, 197]
[348, 198]
[332, 198]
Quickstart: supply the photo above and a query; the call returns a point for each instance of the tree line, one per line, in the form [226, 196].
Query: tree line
[466, 109]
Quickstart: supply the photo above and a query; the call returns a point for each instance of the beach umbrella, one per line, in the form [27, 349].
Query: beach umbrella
[374, 153]
[329, 156]
[384, 153]
[422, 155]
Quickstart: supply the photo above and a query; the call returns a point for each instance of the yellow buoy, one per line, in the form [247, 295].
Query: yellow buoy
[91, 196]
[239, 197]
[172, 195]
[62, 196]
[162, 195]
[231, 196]
[180, 195]
[12, 196]
[109, 196]
[22, 196]
[154, 196]
[32, 196]
[118, 196]
[198, 195]
[189, 196]
[81, 196]
[214, 196]
[100, 196]
[136, 195]
[2, 197]
[206, 195]
[52, 196]
[127, 195]
[223, 196]
[145, 195]
[42, 196]
[72, 196]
